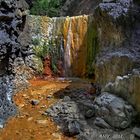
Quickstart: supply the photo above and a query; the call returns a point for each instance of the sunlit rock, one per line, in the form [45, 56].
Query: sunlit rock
[127, 86]
[114, 111]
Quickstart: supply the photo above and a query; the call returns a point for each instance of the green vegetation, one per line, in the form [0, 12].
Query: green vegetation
[93, 46]
[43, 48]
[47, 7]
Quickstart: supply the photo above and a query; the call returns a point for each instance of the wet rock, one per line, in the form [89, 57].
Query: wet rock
[71, 128]
[35, 102]
[136, 131]
[101, 123]
[114, 110]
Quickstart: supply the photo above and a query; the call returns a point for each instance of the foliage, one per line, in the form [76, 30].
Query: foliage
[46, 7]
[43, 48]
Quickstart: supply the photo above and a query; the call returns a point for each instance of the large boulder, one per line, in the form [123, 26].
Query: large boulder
[114, 111]
[127, 86]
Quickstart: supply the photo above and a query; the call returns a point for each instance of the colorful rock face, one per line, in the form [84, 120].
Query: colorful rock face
[72, 40]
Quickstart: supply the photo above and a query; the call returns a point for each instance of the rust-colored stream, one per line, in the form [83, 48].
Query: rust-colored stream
[30, 124]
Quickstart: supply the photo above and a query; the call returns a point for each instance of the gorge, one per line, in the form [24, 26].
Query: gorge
[44, 58]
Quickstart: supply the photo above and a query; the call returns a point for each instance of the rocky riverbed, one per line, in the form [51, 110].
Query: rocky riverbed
[76, 113]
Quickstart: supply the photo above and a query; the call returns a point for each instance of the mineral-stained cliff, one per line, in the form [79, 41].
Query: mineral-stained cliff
[71, 40]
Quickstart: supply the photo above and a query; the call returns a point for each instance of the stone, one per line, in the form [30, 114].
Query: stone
[43, 122]
[116, 9]
[35, 102]
[67, 98]
[30, 119]
[71, 128]
[126, 86]
[136, 131]
[1, 123]
[114, 110]
[56, 135]
[49, 96]
[124, 124]
[90, 113]
[101, 123]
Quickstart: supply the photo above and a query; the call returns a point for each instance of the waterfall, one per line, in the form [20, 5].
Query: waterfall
[71, 39]
[67, 53]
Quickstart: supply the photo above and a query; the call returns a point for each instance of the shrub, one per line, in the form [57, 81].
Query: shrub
[46, 7]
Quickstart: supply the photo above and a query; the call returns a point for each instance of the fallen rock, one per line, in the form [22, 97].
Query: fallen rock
[101, 123]
[43, 122]
[49, 96]
[114, 110]
[71, 128]
[30, 119]
[35, 102]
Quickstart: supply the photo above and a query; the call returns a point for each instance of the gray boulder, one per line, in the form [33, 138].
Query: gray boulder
[114, 110]
[126, 86]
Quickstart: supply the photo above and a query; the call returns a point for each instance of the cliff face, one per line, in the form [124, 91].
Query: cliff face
[118, 62]
[78, 7]
[12, 53]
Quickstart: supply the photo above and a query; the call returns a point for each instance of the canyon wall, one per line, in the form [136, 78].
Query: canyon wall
[117, 66]
[13, 70]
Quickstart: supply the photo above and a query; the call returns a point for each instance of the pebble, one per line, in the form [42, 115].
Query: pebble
[49, 96]
[30, 119]
[43, 122]
[56, 135]
[44, 106]
[35, 102]
[21, 105]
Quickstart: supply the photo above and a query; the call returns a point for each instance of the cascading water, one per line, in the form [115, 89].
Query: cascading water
[67, 53]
